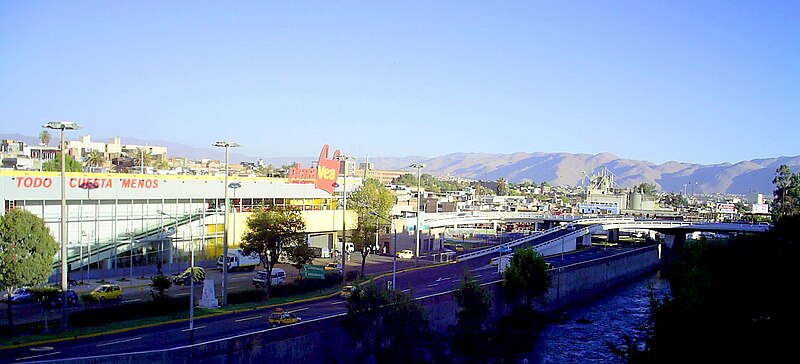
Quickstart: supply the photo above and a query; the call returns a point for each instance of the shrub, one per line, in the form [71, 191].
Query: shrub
[87, 298]
[352, 275]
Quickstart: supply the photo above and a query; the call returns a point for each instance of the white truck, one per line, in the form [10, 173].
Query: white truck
[238, 260]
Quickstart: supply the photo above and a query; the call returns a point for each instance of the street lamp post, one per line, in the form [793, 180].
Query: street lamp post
[191, 274]
[63, 126]
[227, 146]
[344, 159]
[394, 252]
[419, 202]
[234, 186]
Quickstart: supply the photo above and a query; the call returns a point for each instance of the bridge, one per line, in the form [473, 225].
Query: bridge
[573, 230]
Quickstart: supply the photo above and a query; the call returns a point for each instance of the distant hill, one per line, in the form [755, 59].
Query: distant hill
[556, 168]
[568, 169]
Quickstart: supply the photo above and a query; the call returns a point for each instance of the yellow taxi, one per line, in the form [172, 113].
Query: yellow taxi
[459, 248]
[106, 292]
[281, 317]
[347, 291]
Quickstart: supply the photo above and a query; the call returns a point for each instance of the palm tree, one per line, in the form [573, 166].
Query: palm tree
[45, 137]
[140, 157]
[94, 159]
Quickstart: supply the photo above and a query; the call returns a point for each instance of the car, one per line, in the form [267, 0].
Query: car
[505, 250]
[260, 278]
[106, 292]
[459, 248]
[20, 295]
[56, 300]
[185, 278]
[333, 267]
[281, 317]
[348, 291]
[405, 254]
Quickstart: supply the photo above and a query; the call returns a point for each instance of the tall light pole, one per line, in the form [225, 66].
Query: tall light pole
[63, 126]
[227, 146]
[394, 252]
[234, 186]
[419, 202]
[344, 159]
[191, 274]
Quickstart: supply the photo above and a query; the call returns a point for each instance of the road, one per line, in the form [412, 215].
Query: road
[419, 283]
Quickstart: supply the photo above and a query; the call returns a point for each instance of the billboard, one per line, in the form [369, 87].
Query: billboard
[323, 176]
[760, 208]
[726, 208]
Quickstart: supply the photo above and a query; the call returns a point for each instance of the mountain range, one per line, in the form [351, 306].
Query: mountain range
[556, 168]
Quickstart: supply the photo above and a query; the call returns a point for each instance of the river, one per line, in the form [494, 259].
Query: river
[584, 336]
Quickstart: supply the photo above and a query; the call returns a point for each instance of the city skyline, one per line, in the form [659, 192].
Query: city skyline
[699, 83]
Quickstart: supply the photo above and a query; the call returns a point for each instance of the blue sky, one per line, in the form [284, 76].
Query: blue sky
[692, 81]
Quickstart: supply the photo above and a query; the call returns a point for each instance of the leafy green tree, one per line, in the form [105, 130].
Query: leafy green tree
[94, 159]
[26, 252]
[731, 301]
[387, 327]
[474, 306]
[646, 188]
[502, 187]
[371, 197]
[140, 157]
[675, 199]
[55, 165]
[527, 277]
[407, 180]
[161, 164]
[45, 137]
[787, 192]
[300, 254]
[159, 284]
[268, 231]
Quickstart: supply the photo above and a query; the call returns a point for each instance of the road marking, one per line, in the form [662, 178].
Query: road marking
[182, 294]
[38, 356]
[129, 301]
[338, 303]
[249, 318]
[195, 328]
[298, 310]
[119, 341]
[433, 285]
[406, 290]
[477, 275]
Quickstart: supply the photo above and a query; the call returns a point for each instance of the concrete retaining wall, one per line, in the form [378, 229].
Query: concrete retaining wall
[323, 341]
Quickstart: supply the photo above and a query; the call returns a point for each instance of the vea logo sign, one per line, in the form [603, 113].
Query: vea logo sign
[323, 176]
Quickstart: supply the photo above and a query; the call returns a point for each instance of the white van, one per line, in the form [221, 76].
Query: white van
[278, 277]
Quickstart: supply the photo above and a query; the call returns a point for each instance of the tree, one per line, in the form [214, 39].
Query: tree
[389, 327]
[45, 137]
[26, 252]
[474, 306]
[526, 277]
[55, 165]
[300, 254]
[141, 157]
[646, 188]
[370, 197]
[787, 192]
[94, 159]
[158, 287]
[502, 187]
[267, 233]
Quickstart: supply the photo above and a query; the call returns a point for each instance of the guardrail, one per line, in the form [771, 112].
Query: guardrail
[510, 244]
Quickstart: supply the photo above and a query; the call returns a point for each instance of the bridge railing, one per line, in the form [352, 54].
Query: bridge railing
[510, 244]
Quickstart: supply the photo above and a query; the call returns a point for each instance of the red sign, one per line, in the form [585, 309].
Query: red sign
[323, 177]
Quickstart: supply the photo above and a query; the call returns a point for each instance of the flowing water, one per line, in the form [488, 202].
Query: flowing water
[585, 334]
